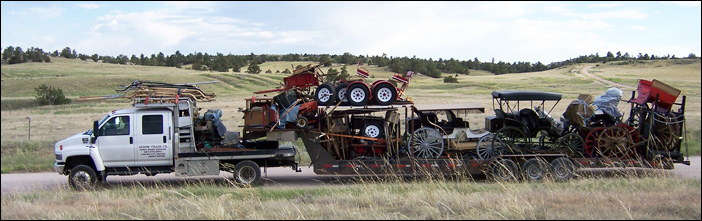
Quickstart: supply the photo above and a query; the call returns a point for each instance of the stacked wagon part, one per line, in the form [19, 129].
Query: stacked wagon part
[352, 127]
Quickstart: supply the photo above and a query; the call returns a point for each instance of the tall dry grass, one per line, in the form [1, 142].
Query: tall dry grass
[624, 196]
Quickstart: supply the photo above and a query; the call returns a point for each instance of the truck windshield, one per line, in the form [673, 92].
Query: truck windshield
[90, 132]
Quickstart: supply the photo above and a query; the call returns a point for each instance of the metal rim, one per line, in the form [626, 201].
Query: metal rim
[504, 170]
[427, 143]
[534, 169]
[246, 174]
[372, 131]
[384, 94]
[342, 95]
[324, 95]
[301, 121]
[82, 178]
[562, 169]
[357, 95]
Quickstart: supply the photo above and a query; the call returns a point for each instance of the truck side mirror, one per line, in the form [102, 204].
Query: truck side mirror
[96, 132]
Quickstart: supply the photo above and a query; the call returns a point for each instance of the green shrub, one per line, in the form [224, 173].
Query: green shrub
[48, 95]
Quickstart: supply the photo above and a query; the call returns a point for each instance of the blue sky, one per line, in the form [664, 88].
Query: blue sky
[506, 31]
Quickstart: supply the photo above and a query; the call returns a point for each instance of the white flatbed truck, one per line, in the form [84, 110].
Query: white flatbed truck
[165, 135]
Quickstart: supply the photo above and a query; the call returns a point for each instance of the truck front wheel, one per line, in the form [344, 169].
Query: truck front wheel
[82, 177]
[247, 173]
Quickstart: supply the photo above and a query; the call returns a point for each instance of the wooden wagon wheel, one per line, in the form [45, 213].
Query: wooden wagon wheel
[666, 133]
[615, 142]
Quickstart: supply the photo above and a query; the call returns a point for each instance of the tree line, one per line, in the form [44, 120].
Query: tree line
[224, 63]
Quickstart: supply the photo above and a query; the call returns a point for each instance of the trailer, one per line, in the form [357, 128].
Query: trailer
[517, 143]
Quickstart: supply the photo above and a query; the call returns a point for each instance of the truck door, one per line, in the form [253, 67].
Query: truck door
[116, 143]
[153, 140]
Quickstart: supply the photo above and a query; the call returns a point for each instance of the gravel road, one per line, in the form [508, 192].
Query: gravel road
[273, 178]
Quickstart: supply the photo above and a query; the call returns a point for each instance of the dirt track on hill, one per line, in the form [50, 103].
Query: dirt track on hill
[585, 71]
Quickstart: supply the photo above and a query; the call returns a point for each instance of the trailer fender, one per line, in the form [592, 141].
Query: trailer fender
[384, 81]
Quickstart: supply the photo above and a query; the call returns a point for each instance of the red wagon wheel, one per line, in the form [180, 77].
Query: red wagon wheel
[615, 142]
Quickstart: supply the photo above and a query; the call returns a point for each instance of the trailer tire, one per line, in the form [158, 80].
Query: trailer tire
[562, 169]
[535, 169]
[82, 178]
[504, 170]
[384, 94]
[341, 94]
[325, 94]
[358, 94]
[247, 173]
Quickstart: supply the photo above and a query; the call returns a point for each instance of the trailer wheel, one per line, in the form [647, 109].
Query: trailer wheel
[82, 178]
[325, 94]
[535, 169]
[562, 169]
[358, 94]
[503, 170]
[341, 93]
[373, 130]
[384, 94]
[247, 173]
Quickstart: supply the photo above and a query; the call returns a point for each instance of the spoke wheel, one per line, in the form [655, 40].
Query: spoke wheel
[666, 133]
[427, 143]
[513, 139]
[487, 149]
[573, 144]
[614, 142]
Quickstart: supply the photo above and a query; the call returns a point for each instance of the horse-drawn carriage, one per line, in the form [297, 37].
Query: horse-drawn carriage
[590, 128]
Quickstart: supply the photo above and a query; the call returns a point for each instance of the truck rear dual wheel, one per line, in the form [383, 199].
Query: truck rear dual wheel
[247, 173]
[82, 178]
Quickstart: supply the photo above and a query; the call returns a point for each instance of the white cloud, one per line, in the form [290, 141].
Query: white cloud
[88, 5]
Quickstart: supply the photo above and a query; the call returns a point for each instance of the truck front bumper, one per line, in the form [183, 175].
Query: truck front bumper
[59, 167]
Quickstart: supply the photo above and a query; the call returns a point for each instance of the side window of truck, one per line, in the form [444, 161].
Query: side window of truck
[116, 126]
[152, 124]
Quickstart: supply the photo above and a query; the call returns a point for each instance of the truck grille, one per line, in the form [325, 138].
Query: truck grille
[59, 157]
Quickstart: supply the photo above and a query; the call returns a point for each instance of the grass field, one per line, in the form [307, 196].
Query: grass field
[27, 147]
[625, 197]
[79, 78]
